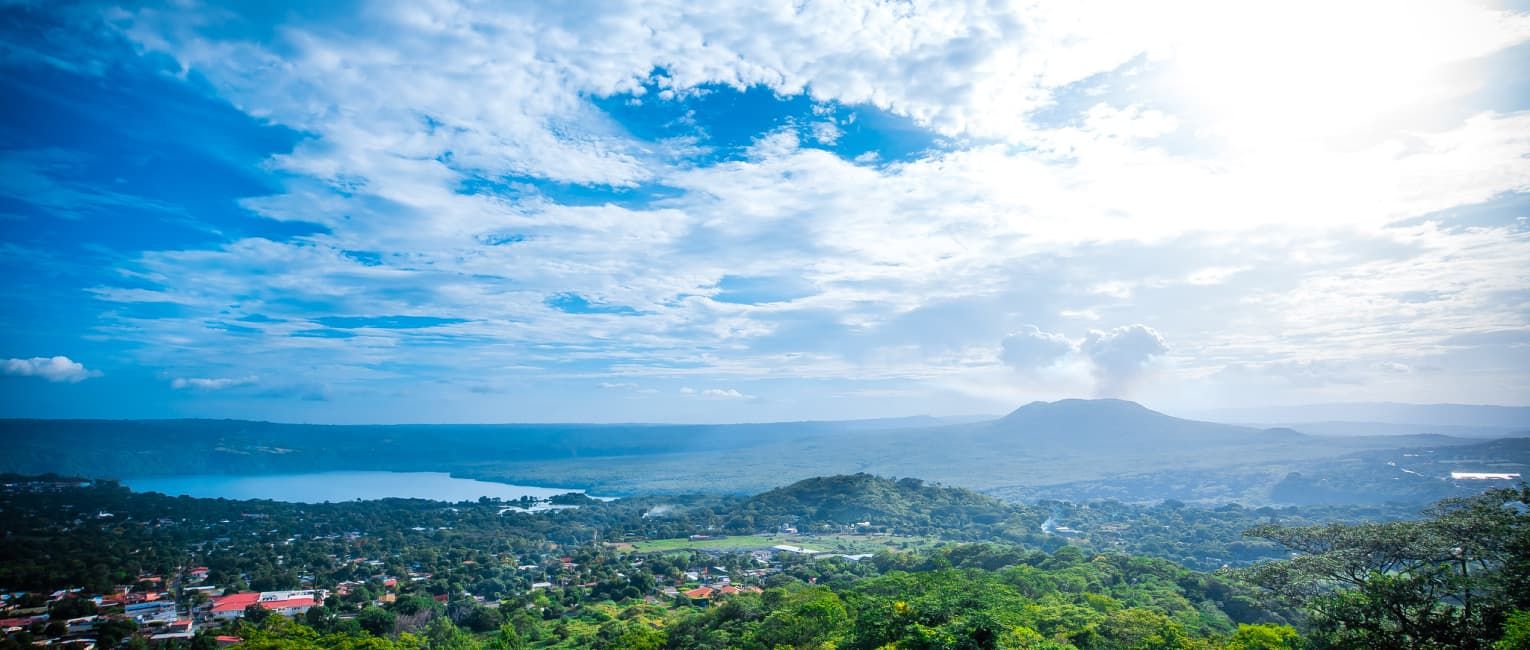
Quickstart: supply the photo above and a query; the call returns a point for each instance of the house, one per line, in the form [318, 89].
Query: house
[12, 624]
[291, 606]
[198, 573]
[731, 590]
[82, 624]
[159, 611]
[182, 629]
[232, 606]
[286, 603]
[225, 640]
[700, 596]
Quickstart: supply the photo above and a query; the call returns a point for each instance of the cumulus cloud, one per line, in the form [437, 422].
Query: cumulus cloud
[206, 384]
[1031, 349]
[54, 369]
[1120, 356]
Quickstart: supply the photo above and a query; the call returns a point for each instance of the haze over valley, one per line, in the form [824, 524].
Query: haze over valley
[1081, 449]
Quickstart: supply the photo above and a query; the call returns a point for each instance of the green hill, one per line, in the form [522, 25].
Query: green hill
[904, 504]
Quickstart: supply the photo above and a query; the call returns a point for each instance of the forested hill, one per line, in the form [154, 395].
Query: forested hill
[905, 503]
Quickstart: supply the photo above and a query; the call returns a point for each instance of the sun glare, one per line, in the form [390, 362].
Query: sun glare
[1276, 77]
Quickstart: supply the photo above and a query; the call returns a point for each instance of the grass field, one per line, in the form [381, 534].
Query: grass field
[849, 544]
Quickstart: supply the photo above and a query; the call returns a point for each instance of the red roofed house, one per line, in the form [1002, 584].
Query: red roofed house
[290, 606]
[286, 603]
[232, 606]
[22, 622]
[700, 595]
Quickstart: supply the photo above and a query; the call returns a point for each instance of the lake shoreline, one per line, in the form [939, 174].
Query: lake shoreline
[341, 486]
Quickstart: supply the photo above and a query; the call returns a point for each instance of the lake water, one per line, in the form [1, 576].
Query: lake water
[318, 487]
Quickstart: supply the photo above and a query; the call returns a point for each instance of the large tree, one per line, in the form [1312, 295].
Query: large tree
[1449, 580]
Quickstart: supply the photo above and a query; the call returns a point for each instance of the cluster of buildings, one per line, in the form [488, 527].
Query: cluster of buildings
[151, 608]
[286, 603]
[704, 595]
[155, 614]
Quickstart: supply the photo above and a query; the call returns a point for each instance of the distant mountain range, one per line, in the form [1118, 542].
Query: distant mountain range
[1091, 447]
[1075, 422]
[1386, 418]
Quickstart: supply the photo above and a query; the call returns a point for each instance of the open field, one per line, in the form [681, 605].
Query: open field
[849, 544]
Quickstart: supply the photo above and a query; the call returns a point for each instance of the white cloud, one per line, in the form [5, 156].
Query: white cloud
[1081, 201]
[826, 132]
[715, 393]
[205, 384]
[1213, 275]
[54, 369]
[1031, 349]
[1114, 289]
[1121, 355]
[724, 393]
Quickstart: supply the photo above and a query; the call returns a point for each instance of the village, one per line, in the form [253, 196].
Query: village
[172, 609]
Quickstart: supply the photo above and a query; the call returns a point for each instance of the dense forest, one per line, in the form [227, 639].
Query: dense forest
[955, 569]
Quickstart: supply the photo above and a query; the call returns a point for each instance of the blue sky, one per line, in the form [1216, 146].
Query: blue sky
[384, 212]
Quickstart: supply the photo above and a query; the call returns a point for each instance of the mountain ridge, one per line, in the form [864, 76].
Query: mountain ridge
[1072, 421]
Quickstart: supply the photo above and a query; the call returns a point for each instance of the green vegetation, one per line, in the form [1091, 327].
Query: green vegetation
[830, 543]
[941, 600]
[954, 569]
[1453, 579]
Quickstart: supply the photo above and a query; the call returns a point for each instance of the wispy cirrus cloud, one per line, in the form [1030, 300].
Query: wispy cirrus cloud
[212, 383]
[714, 393]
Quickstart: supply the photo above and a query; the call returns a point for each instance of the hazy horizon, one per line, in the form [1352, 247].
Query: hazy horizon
[1275, 415]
